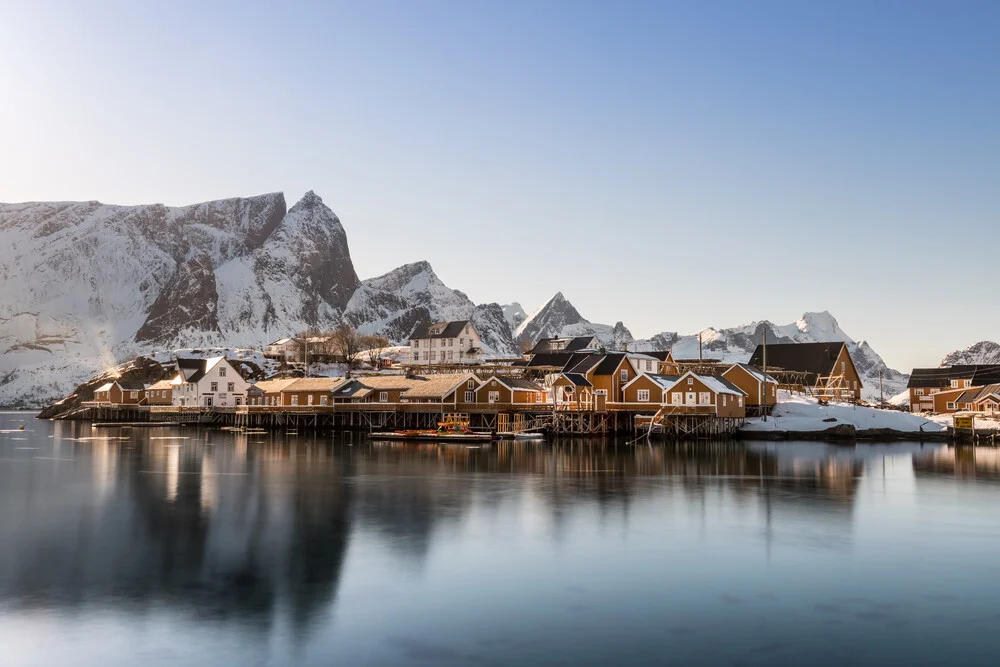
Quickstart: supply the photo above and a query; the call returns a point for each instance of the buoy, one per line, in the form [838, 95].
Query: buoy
[21, 427]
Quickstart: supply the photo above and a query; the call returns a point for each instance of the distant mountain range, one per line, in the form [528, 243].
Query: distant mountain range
[87, 285]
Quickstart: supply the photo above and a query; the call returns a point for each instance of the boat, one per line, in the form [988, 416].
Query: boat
[529, 436]
[453, 428]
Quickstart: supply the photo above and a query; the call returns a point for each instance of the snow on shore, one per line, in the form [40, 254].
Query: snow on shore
[804, 414]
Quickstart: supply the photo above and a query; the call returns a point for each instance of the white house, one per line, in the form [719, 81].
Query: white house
[208, 383]
[446, 343]
[285, 349]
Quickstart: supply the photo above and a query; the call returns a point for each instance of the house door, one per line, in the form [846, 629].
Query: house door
[239, 400]
[208, 401]
[691, 398]
[600, 400]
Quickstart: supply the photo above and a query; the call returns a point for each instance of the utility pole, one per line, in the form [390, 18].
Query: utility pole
[881, 396]
[764, 336]
[699, 348]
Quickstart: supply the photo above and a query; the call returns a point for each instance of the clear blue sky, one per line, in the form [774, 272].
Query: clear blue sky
[673, 165]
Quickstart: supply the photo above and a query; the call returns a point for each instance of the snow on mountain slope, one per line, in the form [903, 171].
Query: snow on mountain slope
[87, 285]
[303, 277]
[983, 352]
[738, 343]
[548, 320]
[396, 303]
[514, 314]
[494, 331]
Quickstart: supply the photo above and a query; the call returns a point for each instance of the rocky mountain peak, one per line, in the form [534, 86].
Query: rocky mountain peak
[983, 352]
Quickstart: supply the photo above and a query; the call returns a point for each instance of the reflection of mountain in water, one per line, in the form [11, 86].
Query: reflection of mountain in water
[224, 539]
[222, 527]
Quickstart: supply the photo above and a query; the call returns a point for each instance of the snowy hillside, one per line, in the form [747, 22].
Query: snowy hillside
[983, 352]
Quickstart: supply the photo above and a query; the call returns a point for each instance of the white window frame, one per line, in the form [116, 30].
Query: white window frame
[642, 395]
[951, 406]
[704, 398]
[494, 397]
[383, 397]
[918, 392]
[623, 375]
[213, 387]
[471, 384]
[222, 371]
[470, 396]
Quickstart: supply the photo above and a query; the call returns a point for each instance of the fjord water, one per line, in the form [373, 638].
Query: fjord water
[194, 546]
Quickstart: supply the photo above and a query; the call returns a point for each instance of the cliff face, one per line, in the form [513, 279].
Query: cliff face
[87, 284]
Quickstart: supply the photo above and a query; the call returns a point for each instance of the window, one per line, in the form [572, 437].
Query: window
[624, 375]
[214, 386]
[704, 398]
[919, 392]
[643, 395]
[416, 343]
[295, 400]
[471, 384]
[231, 386]
[323, 400]
[843, 366]
[461, 342]
[951, 406]
[649, 365]
[690, 380]
[954, 383]
[451, 342]
[538, 397]
[134, 394]
[494, 397]
[442, 355]
[383, 397]
[741, 401]
[677, 398]
[309, 399]
[222, 371]
[451, 355]
[470, 396]
[416, 356]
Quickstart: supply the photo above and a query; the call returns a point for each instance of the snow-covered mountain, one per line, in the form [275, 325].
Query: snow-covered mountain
[558, 317]
[87, 286]
[983, 352]
[738, 343]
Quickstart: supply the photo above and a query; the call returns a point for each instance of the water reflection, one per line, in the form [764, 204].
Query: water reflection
[322, 548]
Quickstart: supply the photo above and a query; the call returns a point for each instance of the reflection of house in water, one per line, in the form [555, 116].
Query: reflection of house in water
[979, 462]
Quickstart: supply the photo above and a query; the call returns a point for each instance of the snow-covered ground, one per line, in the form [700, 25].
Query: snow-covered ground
[981, 421]
[804, 414]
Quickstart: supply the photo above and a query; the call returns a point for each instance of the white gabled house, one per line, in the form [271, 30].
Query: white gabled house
[446, 343]
[208, 383]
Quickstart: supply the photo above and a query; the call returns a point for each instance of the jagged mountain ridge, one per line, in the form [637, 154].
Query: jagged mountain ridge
[92, 285]
[983, 352]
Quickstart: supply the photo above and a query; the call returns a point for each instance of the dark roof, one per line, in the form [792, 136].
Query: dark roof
[191, 369]
[556, 359]
[658, 354]
[609, 363]
[578, 380]
[451, 330]
[573, 344]
[584, 363]
[521, 383]
[968, 396]
[942, 377]
[816, 359]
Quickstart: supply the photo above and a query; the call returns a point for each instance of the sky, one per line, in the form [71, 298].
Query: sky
[674, 165]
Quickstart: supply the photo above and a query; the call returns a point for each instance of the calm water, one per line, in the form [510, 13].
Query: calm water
[174, 546]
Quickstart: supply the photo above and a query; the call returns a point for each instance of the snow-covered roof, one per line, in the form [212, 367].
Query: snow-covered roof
[105, 387]
[756, 373]
[717, 385]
